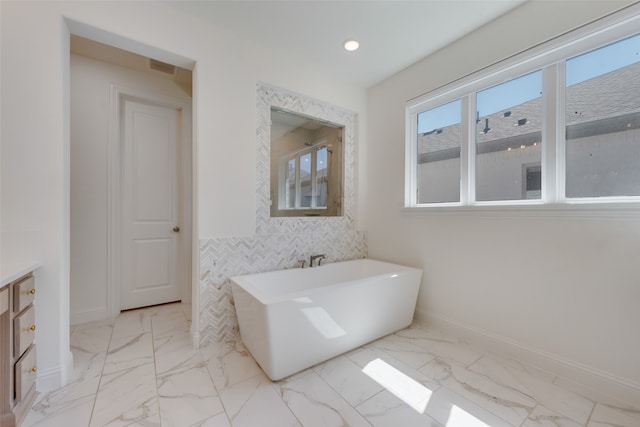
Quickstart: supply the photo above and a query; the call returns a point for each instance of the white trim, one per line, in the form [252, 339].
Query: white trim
[549, 138]
[592, 383]
[51, 378]
[529, 210]
[58, 376]
[118, 94]
[113, 204]
[68, 371]
[550, 57]
[468, 152]
[89, 315]
[195, 336]
[560, 133]
[411, 157]
[195, 241]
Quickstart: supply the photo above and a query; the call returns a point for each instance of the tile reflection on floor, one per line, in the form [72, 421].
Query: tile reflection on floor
[140, 369]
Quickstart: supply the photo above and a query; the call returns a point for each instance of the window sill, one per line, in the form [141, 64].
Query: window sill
[558, 210]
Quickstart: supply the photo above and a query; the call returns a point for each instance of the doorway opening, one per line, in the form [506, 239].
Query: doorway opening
[131, 181]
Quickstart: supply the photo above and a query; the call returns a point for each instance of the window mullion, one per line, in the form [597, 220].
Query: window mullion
[560, 132]
[467, 151]
[282, 184]
[411, 159]
[314, 172]
[550, 96]
[298, 183]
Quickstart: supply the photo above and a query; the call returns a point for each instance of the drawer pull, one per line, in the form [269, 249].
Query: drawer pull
[34, 369]
[31, 291]
[32, 328]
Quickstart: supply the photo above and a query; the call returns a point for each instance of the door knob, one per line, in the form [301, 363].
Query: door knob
[176, 229]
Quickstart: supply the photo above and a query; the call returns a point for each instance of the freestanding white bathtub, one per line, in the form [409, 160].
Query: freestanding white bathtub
[293, 319]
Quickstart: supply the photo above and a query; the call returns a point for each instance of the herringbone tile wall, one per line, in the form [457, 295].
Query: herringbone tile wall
[221, 259]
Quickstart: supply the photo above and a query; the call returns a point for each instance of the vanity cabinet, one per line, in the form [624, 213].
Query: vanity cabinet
[17, 350]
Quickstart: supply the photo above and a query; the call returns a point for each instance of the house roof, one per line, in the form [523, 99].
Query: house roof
[604, 104]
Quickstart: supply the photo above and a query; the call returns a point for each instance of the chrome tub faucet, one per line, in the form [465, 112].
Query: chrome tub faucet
[316, 257]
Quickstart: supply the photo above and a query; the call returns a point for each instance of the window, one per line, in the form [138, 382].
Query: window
[291, 184]
[438, 153]
[508, 135]
[557, 124]
[602, 117]
[305, 178]
[321, 178]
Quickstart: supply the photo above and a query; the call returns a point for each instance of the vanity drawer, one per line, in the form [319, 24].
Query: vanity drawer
[4, 300]
[25, 373]
[23, 293]
[24, 330]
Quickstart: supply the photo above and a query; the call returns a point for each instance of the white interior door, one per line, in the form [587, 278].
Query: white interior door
[149, 223]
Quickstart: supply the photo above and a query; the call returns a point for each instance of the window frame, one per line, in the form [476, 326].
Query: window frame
[282, 174]
[549, 57]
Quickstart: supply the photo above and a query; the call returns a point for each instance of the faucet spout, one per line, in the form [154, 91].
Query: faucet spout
[319, 257]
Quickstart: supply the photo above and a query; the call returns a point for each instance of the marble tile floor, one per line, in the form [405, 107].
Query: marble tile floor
[140, 369]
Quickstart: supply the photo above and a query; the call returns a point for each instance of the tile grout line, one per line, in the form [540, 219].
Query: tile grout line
[155, 370]
[591, 414]
[224, 409]
[104, 363]
[340, 394]
[482, 356]
[278, 390]
[366, 400]
[528, 417]
[343, 398]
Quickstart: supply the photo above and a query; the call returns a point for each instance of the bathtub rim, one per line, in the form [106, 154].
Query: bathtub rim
[241, 280]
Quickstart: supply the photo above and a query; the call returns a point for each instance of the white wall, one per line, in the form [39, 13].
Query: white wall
[563, 289]
[90, 84]
[35, 127]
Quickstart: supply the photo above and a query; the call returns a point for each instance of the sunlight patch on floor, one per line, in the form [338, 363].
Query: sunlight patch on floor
[400, 385]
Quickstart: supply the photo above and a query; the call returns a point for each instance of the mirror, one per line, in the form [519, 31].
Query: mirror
[306, 165]
[269, 98]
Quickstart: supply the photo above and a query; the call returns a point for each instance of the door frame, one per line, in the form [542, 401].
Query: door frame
[118, 94]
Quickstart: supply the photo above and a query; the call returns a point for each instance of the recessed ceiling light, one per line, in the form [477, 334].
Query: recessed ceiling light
[351, 45]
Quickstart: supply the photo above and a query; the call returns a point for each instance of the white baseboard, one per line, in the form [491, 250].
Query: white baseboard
[195, 337]
[88, 315]
[49, 379]
[54, 378]
[69, 368]
[590, 382]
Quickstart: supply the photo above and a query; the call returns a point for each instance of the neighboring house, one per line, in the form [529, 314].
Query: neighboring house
[596, 108]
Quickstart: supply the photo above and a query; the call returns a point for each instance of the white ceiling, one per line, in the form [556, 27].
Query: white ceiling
[393, 34]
